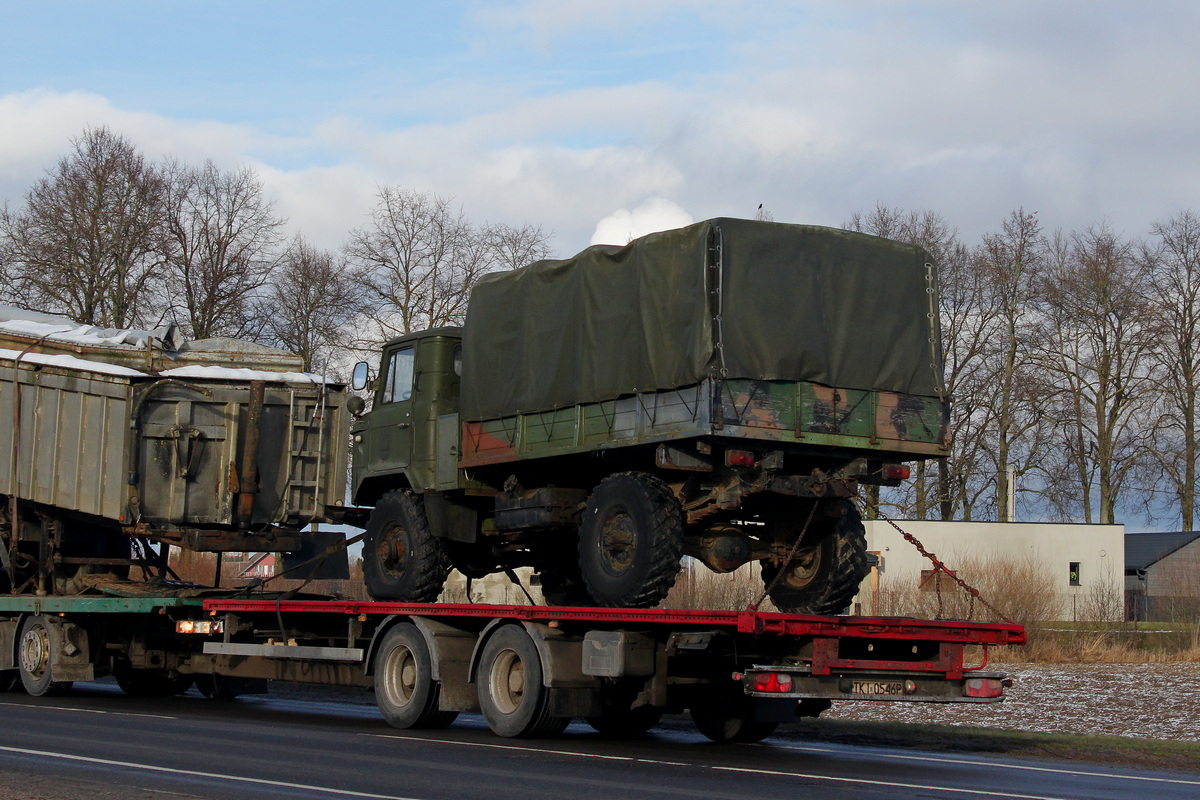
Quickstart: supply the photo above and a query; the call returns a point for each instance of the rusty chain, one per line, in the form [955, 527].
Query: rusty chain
[940, 566]
[783, 567]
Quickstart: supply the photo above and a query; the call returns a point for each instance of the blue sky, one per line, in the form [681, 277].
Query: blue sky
[610, 118]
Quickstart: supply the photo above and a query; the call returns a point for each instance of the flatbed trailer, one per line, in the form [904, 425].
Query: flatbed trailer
[530, 670]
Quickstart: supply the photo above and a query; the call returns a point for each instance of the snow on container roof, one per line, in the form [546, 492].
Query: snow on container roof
[147, 352]
[70, 362]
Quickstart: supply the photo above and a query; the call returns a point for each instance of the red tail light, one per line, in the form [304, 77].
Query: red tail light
[896, 472]
[778, 682]
[983, 687]
[739, 458]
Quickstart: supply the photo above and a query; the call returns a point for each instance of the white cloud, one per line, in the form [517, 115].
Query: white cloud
[655, 214]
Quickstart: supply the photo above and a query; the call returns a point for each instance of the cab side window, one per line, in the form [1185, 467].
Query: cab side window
[399, 383]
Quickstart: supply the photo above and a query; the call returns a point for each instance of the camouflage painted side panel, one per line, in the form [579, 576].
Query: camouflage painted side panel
[638, 419]
[779, 411]
[823, 415]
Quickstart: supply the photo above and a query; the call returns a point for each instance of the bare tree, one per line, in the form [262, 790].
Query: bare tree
[86, 242]
[1096, 343]
[222, 240]
[309, 303]
[418, 259]
[407, 257]
[1174, 261]
[1011, 264]
[514, 247]
[951, 490]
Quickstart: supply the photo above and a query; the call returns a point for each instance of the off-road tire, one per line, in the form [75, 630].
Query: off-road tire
[402, 560]
[630, 541]
[33, 659]
[839, 545]
[405, 691]
[512, 697]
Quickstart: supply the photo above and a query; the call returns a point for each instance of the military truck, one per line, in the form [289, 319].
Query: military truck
[119, 444]
[719, 391]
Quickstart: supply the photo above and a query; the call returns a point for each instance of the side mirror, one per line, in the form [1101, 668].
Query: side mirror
[360, 376]
[356, 405]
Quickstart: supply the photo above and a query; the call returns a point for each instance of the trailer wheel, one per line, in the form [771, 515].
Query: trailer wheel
[509, 682]
[722, 725]
[621, 723]
[631, 541]
[402, 560]
[405, 691]
[826, 570]
[151, 682]
[37, 673]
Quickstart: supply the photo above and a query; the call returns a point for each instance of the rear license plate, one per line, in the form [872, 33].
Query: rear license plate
[877, 687]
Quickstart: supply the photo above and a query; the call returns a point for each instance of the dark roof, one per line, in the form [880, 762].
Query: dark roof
[1144, 549]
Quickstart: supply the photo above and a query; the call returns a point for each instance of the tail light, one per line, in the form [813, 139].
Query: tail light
[896, 472]
[983, 687]
[739, 458]
[771, 682]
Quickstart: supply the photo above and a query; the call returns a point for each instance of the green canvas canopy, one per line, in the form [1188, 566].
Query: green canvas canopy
[725, 298]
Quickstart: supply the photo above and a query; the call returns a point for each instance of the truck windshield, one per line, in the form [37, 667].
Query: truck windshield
[399, 376]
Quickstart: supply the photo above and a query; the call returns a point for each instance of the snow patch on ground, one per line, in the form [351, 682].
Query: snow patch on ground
[1148, 701]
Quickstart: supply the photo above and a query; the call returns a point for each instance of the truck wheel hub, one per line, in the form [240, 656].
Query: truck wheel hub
[804, 567]
[35, 652]
[618, 542]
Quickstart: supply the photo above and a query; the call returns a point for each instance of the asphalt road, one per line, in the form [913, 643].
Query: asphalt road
[96, 742]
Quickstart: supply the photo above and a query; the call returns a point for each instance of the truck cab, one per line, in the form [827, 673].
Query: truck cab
[396, 444]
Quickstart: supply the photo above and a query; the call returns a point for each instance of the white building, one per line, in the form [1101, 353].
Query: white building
[1052, 571]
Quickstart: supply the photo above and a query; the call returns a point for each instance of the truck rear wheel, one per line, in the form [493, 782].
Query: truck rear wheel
[512, 697]
[405, 691]
[824, 574]
[631, 541]
[37, 673]
[402, 560]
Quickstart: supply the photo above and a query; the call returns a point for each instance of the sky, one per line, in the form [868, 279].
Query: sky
[604, 120]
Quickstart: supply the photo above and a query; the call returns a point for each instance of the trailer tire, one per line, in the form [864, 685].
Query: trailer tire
[823, 576]
[402, 559]
[722, 726]
[631, 541]
[405, 691]
[151, 682]
[217, 687]
[512, 697]
[33, 659]
[622, 723]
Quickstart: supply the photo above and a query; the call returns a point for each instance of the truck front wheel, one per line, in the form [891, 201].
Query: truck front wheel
[630, 541]
[826, 569]
[402, 560]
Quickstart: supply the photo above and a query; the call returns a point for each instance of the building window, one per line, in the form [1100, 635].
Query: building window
[1074, 573]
